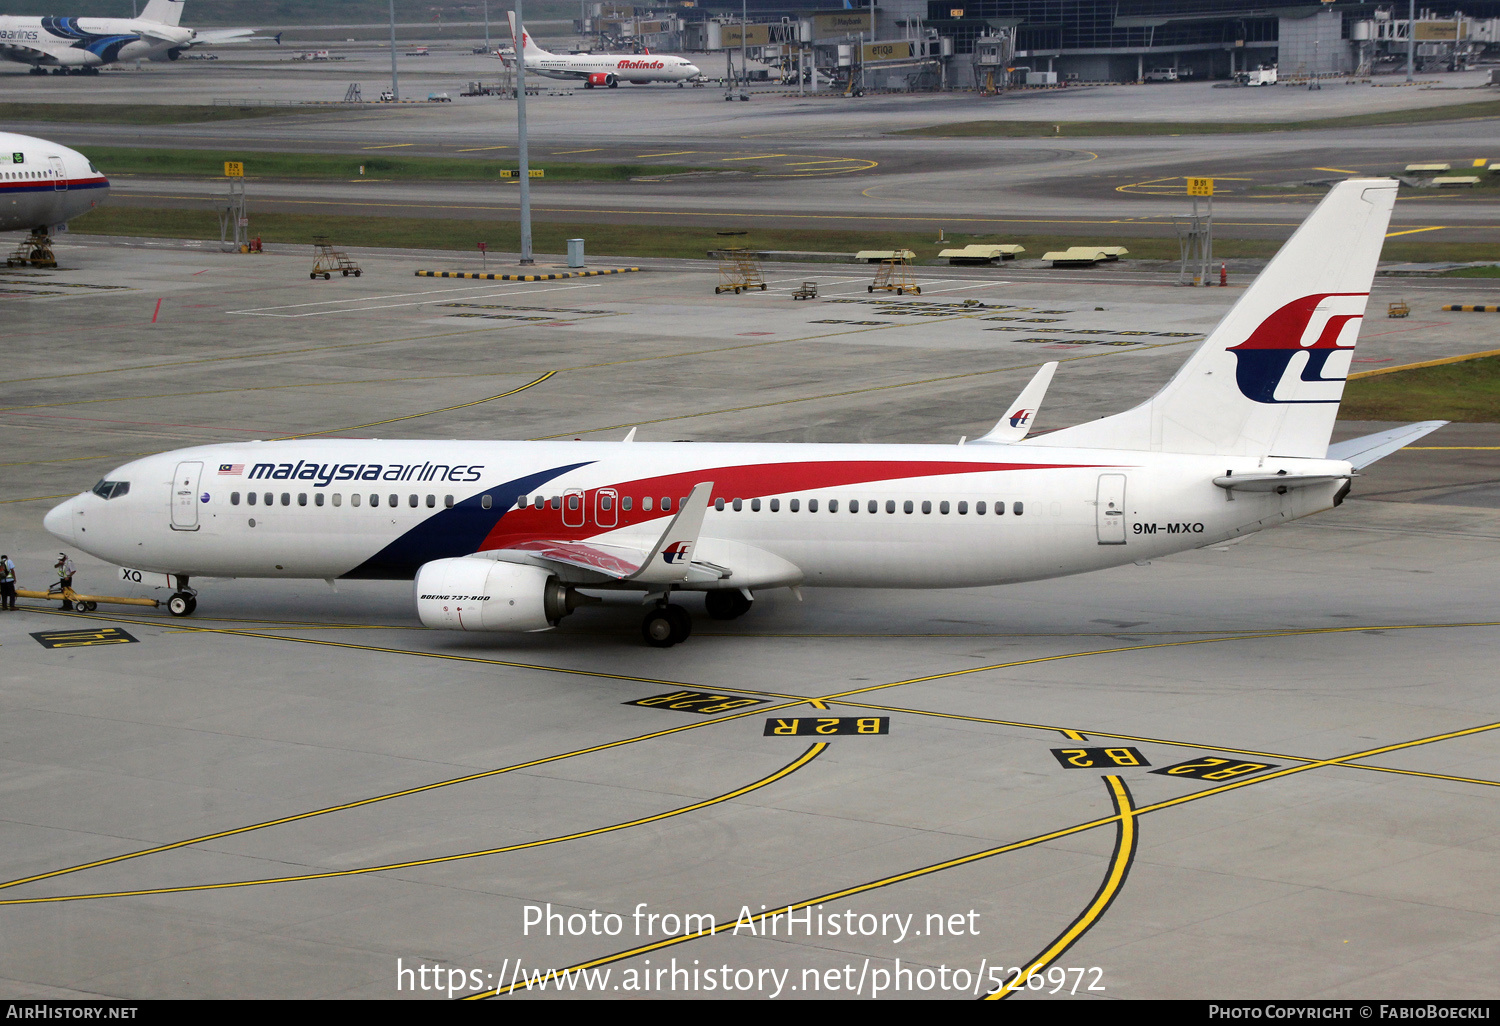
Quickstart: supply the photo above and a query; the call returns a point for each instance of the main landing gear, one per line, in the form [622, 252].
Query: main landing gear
[184, 600]
[665, 625]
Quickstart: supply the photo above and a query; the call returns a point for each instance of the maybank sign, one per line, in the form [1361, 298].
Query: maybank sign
[840, 23]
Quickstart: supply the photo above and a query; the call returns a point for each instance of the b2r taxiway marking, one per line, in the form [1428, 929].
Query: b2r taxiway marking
[83, 638]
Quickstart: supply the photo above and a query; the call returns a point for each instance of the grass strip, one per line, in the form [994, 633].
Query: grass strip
[121, 160]
[137, 113]
[1466, 391]
[1058, 129]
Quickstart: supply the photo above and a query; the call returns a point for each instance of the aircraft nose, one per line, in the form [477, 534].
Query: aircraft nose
[59, 521]
[693, 69]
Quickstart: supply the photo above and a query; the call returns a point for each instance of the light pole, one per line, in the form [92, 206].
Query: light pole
[395, 82]
[525, 168]
[486, 26]
[1411, 40]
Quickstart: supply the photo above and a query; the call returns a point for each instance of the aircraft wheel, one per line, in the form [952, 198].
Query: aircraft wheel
[181, 604]
[88, 607]
[869, 288]
[192, 604]
[313, 276]
[658, 628]
[726, 603]
[682, 623]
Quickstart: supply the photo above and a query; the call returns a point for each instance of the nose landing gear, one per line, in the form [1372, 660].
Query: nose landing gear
[184, 600]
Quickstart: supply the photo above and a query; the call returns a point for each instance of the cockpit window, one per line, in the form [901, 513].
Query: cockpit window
[111, 489]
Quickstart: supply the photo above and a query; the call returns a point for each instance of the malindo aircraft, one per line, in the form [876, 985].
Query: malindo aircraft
[44, 185]
[603, 69]
[83, 45]
[512, 536]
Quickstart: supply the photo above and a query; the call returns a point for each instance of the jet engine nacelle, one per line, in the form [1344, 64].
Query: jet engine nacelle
[473, 594]
[601, 78]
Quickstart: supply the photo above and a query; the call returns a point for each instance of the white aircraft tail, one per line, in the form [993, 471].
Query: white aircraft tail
[167, 12]
[527, 46]
[1267, 381]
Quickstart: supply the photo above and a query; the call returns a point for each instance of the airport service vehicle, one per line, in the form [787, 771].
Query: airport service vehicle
[44, 185]
[1161, 75]
[82, 45]
[512, 536]
[1261, 76]
[603, 69]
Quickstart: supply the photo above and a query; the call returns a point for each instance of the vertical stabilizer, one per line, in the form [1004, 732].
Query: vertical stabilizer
[527, 47]
[1267, 381]
[167, 12]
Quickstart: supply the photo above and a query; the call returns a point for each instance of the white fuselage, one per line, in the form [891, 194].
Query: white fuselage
[55, 42]
[43, 184]
[602, 67]
[897, 516]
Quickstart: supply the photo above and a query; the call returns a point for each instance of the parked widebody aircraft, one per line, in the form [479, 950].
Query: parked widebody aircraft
[83, 45]
[43, 185]
[512, 536]
[603, 69]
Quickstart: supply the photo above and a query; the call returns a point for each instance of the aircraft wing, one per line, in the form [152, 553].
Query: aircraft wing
[209, 37]
[669, 561]
[26, 54]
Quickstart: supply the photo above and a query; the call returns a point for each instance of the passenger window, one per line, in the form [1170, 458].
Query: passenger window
[926, 506]
[1017, 508]
[718, 503]
[318, 499]
[541, 503]
[521, 502]
[374, 499]
[447, 502]
[873, 507]
[486, 502]
[286, 498]
[432, 502]
[627, 502]
[354, 499]
[268, 499]
[605, 502]
[907, 506]
[234, 498]
[739, 504]
[1000, 509]
[963, 509]
[412, 501]
[572, 499]
[812, 505]
[338, 499]
[647, 503]
[890, 505]
[775, 505]
[666, 504]
[833, 505]
[793, 505]
[943, 508]
[302, 498]
[754, 505]
[393, 500]
[979, 509]
[556, 502]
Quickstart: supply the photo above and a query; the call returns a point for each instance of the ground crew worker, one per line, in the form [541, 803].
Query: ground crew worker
[7, 583]
[65, 571]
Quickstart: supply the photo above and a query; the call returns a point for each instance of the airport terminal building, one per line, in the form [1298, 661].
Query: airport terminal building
[1125, 40]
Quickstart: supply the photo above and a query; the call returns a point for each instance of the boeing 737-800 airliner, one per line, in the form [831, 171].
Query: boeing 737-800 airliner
[510, 536]
[602, 69]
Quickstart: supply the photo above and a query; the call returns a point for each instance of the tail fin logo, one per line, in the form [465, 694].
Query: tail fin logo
[1301, 353]
[677, 552]
[1021, 418]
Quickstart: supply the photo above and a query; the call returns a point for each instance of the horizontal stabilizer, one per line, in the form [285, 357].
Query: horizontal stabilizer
[1363, 451]
[1014, 425]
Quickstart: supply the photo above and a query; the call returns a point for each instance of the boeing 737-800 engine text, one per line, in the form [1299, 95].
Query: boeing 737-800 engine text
[602, 69]
[511, 536]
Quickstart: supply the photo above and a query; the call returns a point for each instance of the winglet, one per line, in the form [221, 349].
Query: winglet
[672, 556]
[1014, 425]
